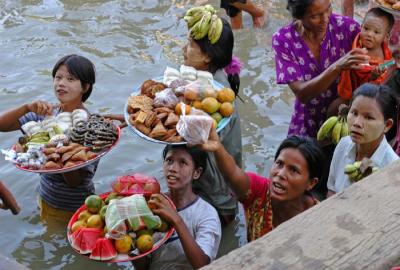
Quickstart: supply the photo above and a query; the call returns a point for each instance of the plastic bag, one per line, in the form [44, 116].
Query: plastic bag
[166, 98]
[132, 209]
[195, 128]
[199, 89]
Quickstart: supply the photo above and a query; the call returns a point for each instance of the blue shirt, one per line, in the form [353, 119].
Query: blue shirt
[52, 187]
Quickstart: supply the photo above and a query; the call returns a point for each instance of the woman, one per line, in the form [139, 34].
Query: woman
[310, 54]
[371, 121]
[73, 79]
[234, 10]
[268, 202]
[217, 59]
[196, 223]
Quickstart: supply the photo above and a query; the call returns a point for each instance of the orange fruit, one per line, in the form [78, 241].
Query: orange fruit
[209, 92]
[77, 225]
[226, 95]
[209, 105]
[226, 109]
[178, 108]
[144, 243]
[143, 232]
[123, 244]
[84, 215]
[95, 221]
[197, 104]
[191, 94]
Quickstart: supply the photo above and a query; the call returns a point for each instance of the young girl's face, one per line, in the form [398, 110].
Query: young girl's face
[67, 88]
[374, 31]
[366, 121]
[179, 169]
[194, 57]
[290, 175]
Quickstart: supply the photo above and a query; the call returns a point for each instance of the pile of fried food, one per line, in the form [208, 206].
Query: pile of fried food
[57, 148]
[394, 4]
[157, 122]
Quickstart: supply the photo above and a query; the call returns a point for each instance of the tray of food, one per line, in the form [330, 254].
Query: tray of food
[117, 227]
[392, 6]
[153, 111]
[63, 143]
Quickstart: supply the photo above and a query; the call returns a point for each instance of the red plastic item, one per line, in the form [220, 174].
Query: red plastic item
[136, 184]
[120, 257]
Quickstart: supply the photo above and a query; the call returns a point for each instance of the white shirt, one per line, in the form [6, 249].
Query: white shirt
[345, 153]
[203, 223]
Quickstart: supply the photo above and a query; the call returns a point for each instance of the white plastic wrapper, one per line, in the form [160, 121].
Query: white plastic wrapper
[166, 98]
[195, 128]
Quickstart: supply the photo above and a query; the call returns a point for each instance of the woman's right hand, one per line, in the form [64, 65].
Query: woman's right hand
[353, 59]
[213, 143]
[40, 107]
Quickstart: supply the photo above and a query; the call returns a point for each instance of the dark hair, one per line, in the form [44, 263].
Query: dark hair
[81, 68]
[221, 53]
[199, 157]
[310, 150]
[387, 102]
[380, 13]
[298, 8]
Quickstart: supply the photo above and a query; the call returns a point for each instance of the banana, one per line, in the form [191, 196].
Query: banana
[326, 128]
[192, 19]
[357, 164]
[336, 132]
[213, 27]
[350, 168]
[217, 31]
[354, 176]
[345, 129]
[210, 9]
[193, 10]
[204, 26]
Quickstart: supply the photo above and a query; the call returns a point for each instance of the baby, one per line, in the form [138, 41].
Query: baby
[375, 32]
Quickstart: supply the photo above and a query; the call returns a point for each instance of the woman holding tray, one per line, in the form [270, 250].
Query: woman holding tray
[217, 58]
[60, 194]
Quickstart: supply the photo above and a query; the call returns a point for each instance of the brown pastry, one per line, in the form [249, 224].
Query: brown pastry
[158, 131]
[72, 163]
[141, 117]
[176, 138]
[91, 155]
[49, 151]
[145, 89]
[142, 128]
[69, 154]
[170, 133]
[151, 117]
[158, 87]
[51, 165]
[63, 149]
[80, 156]
[163, 110]
[172, 119]
[141, 102]
[53, 157]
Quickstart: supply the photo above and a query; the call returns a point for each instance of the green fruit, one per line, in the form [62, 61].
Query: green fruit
[326, 128]
[103, 211]
[349, 168]
[94, 203]
[143, 232]
[164, 227]
[111, 196]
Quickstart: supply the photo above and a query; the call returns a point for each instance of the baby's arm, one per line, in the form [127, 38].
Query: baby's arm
[8, 200]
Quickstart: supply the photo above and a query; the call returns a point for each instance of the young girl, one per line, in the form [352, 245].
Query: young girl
[197, 226]
[60, 194]
[268, 202]
[372, 114]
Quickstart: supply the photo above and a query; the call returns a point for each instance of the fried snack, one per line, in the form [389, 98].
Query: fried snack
[172, 119]
[151, 117]
[49, 151]
[141, 117]
[63, 149]
[53, 157]
[145, 89]
[91, 155]
[396, 6]
[158, 131]
[170, 133]
[141, 102]
[80, 156]
[174, 139]
[51, 165]
[72, 163]
[163, 110]
[155, 88]
[142, 128]
[66, 156]
[162, 116]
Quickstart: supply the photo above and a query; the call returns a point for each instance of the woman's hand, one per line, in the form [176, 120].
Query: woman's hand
[353, 59]
[117, 117]
[161, 207]
[213, 143]
[40, 107]
[7, 200]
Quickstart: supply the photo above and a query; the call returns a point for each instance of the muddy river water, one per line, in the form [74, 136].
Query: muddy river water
[129, 42]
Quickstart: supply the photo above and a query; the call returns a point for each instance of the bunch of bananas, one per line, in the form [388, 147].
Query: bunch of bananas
[359, 169]
[335, 127]
[40, 137]
[203, 21]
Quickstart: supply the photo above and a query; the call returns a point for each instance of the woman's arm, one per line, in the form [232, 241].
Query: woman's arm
[195, 255]
[9, 119]
[307, 90]
[232, 173]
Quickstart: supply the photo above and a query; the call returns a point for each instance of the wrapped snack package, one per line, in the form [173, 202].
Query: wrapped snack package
[133, 209]
[199, 89]
[166, 98]
[194, 128]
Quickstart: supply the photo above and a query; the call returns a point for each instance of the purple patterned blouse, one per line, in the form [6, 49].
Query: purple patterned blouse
[295, 62]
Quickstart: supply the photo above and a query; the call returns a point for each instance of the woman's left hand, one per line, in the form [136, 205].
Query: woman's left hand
[117, 117]
[161, 207]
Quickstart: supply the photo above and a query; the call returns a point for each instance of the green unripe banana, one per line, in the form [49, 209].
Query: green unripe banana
[326, 128]
[349, 168]
[336, 132]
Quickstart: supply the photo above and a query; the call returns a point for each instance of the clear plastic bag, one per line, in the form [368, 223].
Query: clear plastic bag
[132, 209]
[199, 90]
[166, 98]
[195, 128]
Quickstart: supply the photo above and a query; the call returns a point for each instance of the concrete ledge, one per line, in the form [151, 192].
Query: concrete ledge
[358, 228]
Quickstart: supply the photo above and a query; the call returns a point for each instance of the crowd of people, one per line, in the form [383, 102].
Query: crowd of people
[326, 59]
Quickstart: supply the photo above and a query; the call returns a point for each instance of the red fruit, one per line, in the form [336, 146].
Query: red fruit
[85, 239]
[151, 187]
[103, 250]
[135, 189]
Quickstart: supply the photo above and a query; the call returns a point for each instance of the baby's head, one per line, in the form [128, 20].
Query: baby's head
[376, 28]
